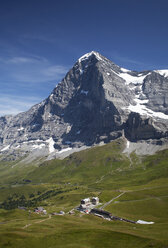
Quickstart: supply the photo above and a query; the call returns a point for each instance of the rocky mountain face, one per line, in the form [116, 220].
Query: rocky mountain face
[95, 103]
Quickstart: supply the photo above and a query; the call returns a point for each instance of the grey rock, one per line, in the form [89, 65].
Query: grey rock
[91, 105]
[140, 128]
[155, 87]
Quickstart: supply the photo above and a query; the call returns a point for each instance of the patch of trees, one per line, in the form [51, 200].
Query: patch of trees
[14, 201]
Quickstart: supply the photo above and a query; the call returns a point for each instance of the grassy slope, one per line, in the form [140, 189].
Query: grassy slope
[101, 171]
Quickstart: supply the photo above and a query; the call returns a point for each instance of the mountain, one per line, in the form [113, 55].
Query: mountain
[95, 103]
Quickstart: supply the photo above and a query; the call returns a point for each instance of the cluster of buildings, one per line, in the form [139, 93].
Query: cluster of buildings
[88, 206]
[88, 203]
[40, 210]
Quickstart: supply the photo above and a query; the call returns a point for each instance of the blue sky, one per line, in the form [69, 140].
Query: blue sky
[40, 40]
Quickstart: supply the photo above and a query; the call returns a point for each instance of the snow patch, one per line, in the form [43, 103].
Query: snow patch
[35, 125]
[21, 128]
[128, 143]
[144, 222]
[139, 101]
[80, 71]
[68, 129]
[132, 79]
[5, 148]
[51, 143]
[143, 110]
[124, 70]
[17, 147]
[84, 92]
[87, 55]
[65, 150]
[68, 142]
[32, 141]
[162, 72]
[38, 146]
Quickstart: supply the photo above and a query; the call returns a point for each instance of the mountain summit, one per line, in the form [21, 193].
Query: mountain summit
[96, 102]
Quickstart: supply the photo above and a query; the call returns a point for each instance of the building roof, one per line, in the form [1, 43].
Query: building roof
[86, 199]
[95, 198]
[100, 211]
[40, 208]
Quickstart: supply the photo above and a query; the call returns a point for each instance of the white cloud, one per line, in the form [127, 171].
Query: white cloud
[25, 75]
[14, 104]
[20, 60]
[55, 70]
[43, 38]
[27, 60]
[30, 69]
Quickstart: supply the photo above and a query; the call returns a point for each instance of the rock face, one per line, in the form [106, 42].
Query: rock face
[138, 128]
[97, 101]
[155, 88]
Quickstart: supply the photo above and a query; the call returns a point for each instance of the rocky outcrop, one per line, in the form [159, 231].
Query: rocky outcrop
[140, 128]
[155, 88]
[97, 101]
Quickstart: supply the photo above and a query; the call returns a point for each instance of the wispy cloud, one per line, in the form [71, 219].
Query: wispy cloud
[14, 104]
[125, 59]
[21, 76]
[25, 60]
[128, 60]
[55, 70]
[20, 60]
[133, 63]
[31, 69]
[39, 37]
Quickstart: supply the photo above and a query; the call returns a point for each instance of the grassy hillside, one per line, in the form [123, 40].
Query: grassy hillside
[60, 184]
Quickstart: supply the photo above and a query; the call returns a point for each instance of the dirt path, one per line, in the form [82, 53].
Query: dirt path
[148, 199]
[49, 217]
[107, 203]
[130, 159]
[26, 226]
[99, 180]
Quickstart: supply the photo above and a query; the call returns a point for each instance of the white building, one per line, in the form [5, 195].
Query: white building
[85, 201]
[95, 200]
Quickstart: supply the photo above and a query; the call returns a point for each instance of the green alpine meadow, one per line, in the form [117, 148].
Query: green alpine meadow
[136, 188]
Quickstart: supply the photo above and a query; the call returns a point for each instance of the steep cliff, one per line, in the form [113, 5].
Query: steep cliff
[97, 101]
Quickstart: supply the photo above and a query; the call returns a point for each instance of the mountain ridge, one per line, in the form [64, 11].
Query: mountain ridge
[96, 102]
